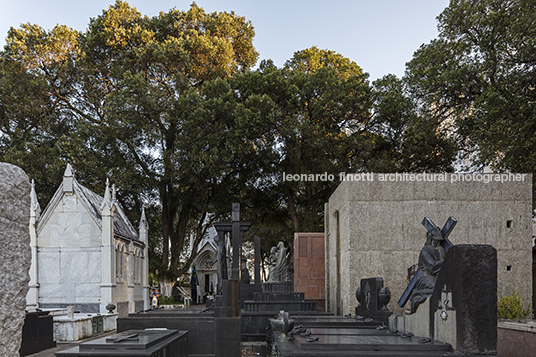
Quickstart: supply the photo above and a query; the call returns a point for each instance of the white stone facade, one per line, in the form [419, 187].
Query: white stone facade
[86, 253]
[206, 266]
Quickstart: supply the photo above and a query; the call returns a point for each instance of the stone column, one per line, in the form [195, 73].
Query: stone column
[15, 255]
[32, 299]
[143, 234]
[227, 325]
[107, 252]
[257, 244]
[129, 254]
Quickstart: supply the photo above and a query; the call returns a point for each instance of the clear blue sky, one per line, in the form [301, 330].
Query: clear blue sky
[379, 35]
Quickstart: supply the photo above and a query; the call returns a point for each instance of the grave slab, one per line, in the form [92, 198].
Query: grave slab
[134, 343]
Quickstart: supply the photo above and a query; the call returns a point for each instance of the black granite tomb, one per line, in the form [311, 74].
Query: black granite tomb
[200, 326]
[267, 304]
[37, 333]
[134, 343]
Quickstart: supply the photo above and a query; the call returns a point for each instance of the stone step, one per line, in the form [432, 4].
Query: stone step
[290, 306]
[278, 296]
[278, 287]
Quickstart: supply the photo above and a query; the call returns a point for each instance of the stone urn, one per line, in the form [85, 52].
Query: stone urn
[110, 307]
[283, 324]
[384, 296]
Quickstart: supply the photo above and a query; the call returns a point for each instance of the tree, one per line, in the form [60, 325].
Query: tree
[323, 100]
[412, 138]
[128, 88]
[479, 77]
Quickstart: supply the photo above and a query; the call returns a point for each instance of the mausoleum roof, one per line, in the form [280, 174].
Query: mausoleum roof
[92, 202]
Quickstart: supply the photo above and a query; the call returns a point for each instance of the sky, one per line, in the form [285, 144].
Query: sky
[379, 35]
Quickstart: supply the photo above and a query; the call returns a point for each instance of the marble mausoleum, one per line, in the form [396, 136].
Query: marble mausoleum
[86, 253]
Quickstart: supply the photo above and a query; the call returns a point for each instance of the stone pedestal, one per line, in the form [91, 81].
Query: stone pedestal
[373, 298]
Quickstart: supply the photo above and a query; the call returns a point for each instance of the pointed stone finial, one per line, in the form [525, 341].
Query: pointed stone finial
[68, 171]
[35, 208]
[106, 201]
[113, 192]
[143, 219]
[68, 179]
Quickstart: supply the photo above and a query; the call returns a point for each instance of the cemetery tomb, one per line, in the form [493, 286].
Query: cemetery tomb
[134, 343]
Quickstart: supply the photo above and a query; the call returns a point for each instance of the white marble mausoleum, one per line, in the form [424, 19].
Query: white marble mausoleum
[86, 253]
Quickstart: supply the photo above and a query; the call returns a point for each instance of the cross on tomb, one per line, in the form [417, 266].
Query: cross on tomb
[445, 243]
[236, 227]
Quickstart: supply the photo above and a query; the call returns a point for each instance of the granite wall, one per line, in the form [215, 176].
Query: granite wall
[309, 267]
[373, 228]
[15, 255]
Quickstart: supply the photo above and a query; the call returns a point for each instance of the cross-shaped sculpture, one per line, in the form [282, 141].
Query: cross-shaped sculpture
[445, 243]
[236, 227]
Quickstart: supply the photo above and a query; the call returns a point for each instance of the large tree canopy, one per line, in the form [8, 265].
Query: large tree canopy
[169, 108]
[128, 88]
[479, 77]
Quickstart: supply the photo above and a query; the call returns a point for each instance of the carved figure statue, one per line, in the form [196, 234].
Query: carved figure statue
[431, 259]
[244, 276]
[277, 266]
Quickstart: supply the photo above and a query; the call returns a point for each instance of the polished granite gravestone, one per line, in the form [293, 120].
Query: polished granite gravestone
[373, 298]
[267, 304]
[322, 336]
[200, 326]
[37, 333]
[466, 296]
[134, 343]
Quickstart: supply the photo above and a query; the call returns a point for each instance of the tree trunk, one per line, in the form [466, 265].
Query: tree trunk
[184, 216]
[165, 228]
[292, 210]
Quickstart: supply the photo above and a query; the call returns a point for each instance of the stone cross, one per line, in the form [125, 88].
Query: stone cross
[445, 243]
[230, 296]
[221, 229]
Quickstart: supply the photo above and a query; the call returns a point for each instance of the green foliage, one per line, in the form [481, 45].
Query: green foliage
[511, 307]
[479, 76]
[166, 300]
[168, 109]
[416, 139]
[122, 100]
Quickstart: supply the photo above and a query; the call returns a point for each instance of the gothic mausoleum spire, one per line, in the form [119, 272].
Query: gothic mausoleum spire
[68, 177]
[35, 208]
[106, 201]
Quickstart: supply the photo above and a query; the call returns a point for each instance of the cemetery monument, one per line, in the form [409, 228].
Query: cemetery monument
[15, 255]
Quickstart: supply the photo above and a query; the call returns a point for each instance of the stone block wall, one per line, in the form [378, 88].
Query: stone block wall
[309, 266]
[373, 228]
